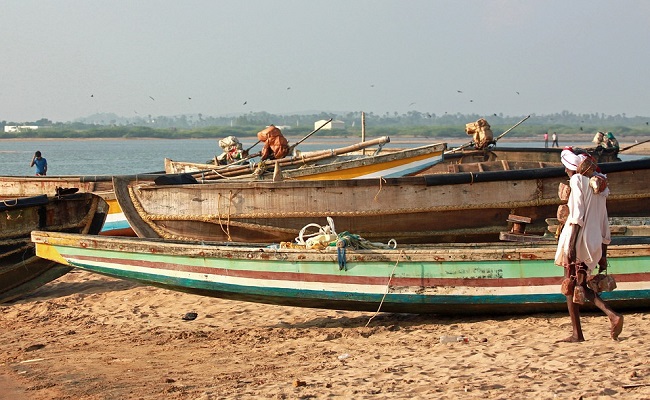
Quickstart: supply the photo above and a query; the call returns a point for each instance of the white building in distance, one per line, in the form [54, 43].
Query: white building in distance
[336, 124]
[18, 129]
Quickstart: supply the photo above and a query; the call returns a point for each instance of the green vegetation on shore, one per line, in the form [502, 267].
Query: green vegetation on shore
[412, 124]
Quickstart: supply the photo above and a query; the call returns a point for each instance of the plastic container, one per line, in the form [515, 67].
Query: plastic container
[320, 242]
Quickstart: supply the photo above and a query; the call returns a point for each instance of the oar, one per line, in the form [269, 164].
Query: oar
[293, 146]
[635, 144]
[466, 145]
[249, 149]
[511, 128]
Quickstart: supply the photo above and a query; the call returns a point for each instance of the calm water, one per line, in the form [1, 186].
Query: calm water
[135, 156]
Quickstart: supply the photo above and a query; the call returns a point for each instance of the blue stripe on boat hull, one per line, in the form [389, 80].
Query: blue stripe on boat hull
[394, 302]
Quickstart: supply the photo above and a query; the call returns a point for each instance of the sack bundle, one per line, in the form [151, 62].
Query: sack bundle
[481, 132]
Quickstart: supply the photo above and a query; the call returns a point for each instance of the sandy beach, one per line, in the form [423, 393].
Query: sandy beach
[89, 337]
[86, 336]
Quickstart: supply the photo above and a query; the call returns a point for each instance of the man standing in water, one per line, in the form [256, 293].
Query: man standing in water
[583, 242]
[41, 164]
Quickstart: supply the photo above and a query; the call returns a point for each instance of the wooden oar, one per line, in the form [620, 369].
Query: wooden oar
[466, 145]
[635, 144]
[293, 146]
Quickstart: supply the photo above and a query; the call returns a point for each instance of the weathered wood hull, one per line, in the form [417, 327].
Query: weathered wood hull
[342, 163]
[390, 165]
[462, 207]
[489, 278]
[513, 155]
[20, 270]
[12, 187]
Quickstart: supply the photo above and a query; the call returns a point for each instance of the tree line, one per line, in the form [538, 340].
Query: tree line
[412, 124]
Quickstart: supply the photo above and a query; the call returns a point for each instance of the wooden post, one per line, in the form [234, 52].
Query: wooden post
[363, 129]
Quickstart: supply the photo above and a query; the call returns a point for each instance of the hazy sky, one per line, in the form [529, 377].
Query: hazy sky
[66, 59]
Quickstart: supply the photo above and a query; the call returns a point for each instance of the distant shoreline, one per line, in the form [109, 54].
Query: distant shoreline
[641, 149]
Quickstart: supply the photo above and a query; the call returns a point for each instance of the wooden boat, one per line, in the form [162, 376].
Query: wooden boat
[487, 278]
[12, 187]
[20, 270]
[342, 163]
[457, 158]
[248, 166]
[389, 165]
[456, 207]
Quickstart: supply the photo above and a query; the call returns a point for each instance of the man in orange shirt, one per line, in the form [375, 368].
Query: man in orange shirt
[275, 145]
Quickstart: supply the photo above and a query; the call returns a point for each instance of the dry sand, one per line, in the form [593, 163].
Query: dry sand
[86, 336]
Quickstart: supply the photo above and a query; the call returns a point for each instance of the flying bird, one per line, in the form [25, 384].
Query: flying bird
[411, 104]
[245, 102]
[289, 88]
[459, 91]
[152, 98]
[189, 98]
[471, 101]
[372, 85]
[92, 95]
[517, 92]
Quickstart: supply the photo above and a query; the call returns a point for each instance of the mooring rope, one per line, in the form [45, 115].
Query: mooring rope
[390, 278]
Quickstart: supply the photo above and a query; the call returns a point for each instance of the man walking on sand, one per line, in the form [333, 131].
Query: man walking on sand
[583, 242]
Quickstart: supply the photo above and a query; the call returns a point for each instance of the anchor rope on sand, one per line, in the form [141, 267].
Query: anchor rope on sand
[390, 278]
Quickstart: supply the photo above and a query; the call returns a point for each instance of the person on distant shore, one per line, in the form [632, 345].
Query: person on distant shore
[545, 139]
[555, 142]
[275, 144]
[41, 164]
[582, 245]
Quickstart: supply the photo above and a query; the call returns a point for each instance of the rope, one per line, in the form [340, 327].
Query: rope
[381, 180]
[227, 230]
[10, 205]
[401, 253]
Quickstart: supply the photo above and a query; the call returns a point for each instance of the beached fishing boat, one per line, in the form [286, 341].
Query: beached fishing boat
[12, 187]
[511, 157]
[487, 278]
[343, 163]
[455, 207]
[247, 168]
[20, 270]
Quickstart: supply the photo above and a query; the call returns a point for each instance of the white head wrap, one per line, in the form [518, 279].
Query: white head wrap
[570, 160]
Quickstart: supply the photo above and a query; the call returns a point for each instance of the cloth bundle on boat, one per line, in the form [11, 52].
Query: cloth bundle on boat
[232, 150]
[481, 133]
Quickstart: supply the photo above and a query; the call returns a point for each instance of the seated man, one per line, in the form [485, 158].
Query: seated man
[611, 142]
[275, 145]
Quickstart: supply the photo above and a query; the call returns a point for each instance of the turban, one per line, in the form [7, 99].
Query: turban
[570, 160]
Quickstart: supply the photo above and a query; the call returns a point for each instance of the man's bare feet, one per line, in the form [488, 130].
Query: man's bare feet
[571, 339]
[617, 326]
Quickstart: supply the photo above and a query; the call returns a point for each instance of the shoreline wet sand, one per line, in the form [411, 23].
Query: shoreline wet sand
[86, 336]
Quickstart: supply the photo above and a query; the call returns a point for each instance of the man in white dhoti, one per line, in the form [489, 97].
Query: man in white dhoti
[583, 244]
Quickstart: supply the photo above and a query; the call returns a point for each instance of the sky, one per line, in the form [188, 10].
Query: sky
[67, 59]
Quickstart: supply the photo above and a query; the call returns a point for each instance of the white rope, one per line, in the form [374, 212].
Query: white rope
[387, 289]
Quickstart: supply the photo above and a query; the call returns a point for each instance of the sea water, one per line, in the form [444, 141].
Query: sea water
[137, 156]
